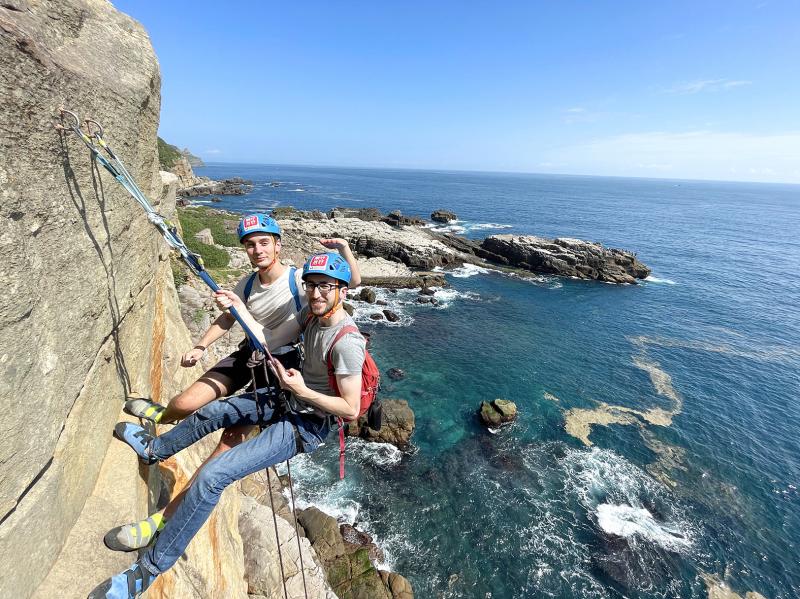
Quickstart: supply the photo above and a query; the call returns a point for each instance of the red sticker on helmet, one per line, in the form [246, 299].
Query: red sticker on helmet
[318, 262]
[250, 222]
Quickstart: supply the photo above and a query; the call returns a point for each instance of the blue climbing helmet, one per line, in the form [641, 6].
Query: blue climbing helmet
[329, 263]
[257, 223]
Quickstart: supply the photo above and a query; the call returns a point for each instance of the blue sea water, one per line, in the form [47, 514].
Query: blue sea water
[712, 338]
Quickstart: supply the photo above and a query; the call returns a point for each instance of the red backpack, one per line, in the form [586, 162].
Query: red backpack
[370, 383]
[370, 375]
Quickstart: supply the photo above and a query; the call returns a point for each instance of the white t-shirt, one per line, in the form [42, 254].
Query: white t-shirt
[273, 307]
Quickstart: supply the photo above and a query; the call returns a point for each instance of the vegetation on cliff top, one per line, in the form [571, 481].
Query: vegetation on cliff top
[193, 220]
[168, 155]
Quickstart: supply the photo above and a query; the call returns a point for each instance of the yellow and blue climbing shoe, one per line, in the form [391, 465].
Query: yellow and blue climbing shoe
[133, 536]
[138, 438]
[128, 584]
[145, 409]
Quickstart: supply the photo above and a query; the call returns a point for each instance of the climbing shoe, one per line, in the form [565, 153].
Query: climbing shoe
[128, 584]
[138, 438]
[145, 409]
[133, 536]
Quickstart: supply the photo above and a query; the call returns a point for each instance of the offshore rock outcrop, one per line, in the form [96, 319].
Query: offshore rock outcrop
[564, 257]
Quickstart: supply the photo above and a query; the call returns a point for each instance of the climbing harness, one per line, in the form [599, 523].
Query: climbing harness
[117, 169]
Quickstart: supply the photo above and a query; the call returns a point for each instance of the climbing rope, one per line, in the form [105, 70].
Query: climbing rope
[115, 166]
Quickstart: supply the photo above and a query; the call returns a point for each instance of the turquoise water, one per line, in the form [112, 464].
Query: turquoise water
[713, 338]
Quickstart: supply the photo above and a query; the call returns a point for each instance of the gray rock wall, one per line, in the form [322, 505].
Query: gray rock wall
[77, 263]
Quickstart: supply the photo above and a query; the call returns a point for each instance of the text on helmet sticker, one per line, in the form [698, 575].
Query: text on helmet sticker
[250, 222]
[318, 262]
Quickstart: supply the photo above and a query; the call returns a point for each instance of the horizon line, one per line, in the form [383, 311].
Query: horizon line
[489, 172]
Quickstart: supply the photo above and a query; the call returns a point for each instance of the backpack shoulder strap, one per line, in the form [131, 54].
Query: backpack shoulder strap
[293, 288]
[248, 287]
[342, 332]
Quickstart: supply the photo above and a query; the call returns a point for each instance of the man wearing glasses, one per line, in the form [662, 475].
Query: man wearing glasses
[301, 429]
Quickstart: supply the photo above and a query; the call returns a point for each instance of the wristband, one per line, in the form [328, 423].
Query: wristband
[200, 347]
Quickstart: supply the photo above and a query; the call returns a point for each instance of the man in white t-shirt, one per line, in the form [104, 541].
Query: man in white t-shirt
[274, 298]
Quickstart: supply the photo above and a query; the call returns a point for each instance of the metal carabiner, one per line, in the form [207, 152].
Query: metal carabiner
[75, 126]
[96, 134]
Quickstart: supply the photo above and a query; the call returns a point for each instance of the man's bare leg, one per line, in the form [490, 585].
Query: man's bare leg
[212, 385]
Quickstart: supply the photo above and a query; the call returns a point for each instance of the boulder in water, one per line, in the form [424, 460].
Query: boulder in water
[497, 412]
[368, 295]
[443, 216]
[398, 425]
[396, 373]
[391, 316]
[376, 316]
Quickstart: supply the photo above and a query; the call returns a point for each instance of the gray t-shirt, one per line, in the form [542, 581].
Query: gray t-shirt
[347, 355]
[274, 308]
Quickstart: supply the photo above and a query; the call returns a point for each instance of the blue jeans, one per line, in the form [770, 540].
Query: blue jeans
[275, 444]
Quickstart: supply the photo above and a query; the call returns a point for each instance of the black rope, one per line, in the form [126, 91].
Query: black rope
[296, 530]
[269, 482]
[283, 407]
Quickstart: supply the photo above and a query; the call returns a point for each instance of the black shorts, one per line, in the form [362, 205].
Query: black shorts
[236, 369]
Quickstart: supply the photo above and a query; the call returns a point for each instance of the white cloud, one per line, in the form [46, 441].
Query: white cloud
[576, 110]
[698, 154]
[706, 85]
[213, 151]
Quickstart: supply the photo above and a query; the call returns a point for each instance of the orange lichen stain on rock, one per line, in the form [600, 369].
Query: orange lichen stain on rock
[157, 355]
[163, 587]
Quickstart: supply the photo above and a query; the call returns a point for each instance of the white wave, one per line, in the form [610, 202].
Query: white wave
[483, 226]
[628, 521]
[447, 296]
[468, 270]
[296, 189]
[652, 279]
[378, 454]
[450, 227]
[600, 477]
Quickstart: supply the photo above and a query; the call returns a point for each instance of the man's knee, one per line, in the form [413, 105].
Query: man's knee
[231, 437]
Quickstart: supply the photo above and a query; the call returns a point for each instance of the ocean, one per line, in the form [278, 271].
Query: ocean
[699, 367]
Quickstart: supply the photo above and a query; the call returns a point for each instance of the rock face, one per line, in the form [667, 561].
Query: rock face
[109, 328]
[497, 412]
[261, 560]
[68, 354]
[564, 257]
[397, 428]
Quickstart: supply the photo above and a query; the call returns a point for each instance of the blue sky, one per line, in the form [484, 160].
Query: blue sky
[701, 90]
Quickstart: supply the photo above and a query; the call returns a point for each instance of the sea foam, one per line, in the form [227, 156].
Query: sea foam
[628, 522]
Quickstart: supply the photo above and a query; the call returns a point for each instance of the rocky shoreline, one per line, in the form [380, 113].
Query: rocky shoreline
[192, 186]
[394, 254]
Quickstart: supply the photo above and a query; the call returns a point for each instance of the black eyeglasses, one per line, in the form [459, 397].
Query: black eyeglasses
[324, 288]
